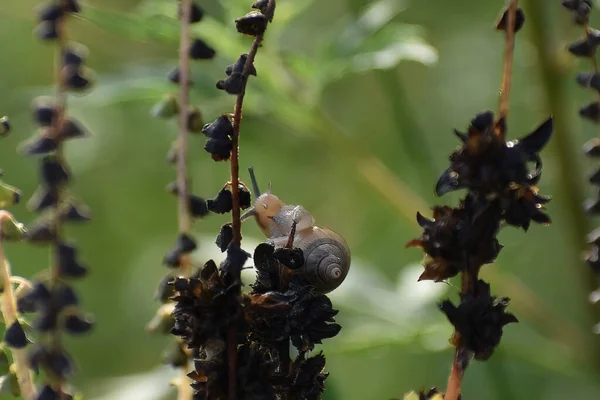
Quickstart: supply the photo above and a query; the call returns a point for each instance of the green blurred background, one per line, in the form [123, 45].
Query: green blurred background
[351, 115]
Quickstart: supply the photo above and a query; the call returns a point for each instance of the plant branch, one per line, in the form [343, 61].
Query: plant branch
[237, 119]
[182, 167]
[61, 104]
[184, 389]
[236, 222]
[9, 311]
[508, 58]
[567, 156]
[455, 380]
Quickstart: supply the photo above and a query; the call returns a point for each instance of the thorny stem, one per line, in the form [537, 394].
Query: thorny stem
[9, 311]
[184, 390]
[508, 58]
[236, 222]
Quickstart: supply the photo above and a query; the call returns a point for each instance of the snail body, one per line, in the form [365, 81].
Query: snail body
[326, 253]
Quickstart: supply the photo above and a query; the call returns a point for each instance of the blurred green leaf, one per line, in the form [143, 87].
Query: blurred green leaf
[147, 27]
[391, 45]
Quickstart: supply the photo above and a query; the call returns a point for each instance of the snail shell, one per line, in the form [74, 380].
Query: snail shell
[326, 257]
[326, 254]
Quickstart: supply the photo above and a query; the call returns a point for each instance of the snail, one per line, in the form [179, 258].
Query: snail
[326, 253]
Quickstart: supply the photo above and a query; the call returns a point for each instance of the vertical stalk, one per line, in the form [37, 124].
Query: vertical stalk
[9, 312]
[184, 390]
[236, 222]
[508, 58]
[182, 168]
[567, 156]
[61, 104]
[455, 380]
[469, 275]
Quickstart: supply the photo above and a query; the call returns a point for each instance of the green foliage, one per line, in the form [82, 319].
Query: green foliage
[342, 126]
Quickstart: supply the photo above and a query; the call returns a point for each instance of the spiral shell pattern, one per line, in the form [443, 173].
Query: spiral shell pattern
[326, 259]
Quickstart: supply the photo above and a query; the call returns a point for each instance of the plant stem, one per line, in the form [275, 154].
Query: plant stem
[61, 104]
[469, 276]
[568, 165]
[508, 58]
[236, 222]
[9, 311]
[237, 119]
[184, 389]
[455, 380]
[182, 168]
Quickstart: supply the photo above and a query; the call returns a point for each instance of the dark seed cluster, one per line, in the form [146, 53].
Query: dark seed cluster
[586, 47]
[499, 177]
[52, 297]
[280, 308]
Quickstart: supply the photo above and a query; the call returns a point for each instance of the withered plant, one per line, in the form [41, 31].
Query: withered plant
[52, 297]
[585, 47]
[500, 177]
[240, 341]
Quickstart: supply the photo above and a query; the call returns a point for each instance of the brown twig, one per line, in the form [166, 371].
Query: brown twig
[508, 58]
[61, 105]
[455, 380]
[184, 77]
[470, 275]
[236, 222]
[184, 389]
[237, 119]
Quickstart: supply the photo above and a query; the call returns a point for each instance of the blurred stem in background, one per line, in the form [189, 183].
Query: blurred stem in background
[568, 156]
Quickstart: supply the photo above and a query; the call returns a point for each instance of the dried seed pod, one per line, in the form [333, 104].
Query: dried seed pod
[253, 24]
[239, 66]
[47, 30]
[592, 147]
[15, 336]
[39, 145]
[185, 245]
[591, 111]
[222, 203]
[195, 122]
[77, 78]
[44, 111]
[225, 237]
[167, 107]
[519, 20]
[4, 126]
[68, 266]
[76, 324]
[589, 80]
[199, 50]
[72, 129]
[175, 76]
[196, 13]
